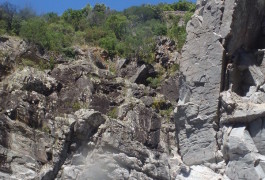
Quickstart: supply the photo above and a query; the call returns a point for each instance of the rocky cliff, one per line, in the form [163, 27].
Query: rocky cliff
[85, 118]
[90, 118]
[220, 114]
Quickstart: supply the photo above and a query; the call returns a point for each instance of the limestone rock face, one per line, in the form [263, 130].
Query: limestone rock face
[219, 116]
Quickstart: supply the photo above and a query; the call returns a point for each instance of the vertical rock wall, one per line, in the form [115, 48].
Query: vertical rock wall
[220, 114]
[201, 65]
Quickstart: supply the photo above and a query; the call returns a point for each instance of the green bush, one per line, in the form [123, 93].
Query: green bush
[113, 113]
[187, 17]
[158, 104]
[160, 30]
[35, 30]
[165, 7]
[3, 27]
[93, 34]
[166, 113]
[154, 82]
[45, 128]
[142, 13]
[184, 5]
[173, 69]
[73, 17]
[76, 106]
[101, 8]
[118, 24]
[109, 43]
[69, 52]
[63, 35]
[40, 64]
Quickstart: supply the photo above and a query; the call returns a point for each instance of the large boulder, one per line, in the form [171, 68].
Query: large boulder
[142, 73]
[88, 121]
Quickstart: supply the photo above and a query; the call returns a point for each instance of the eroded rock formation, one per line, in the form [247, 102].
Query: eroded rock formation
[79, 120]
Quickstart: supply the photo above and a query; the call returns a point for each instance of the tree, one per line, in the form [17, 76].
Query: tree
[164, 7]
[160, 30]
[73, 17]
[26, 13]
[16, 24]
[51, 17]
[144, 13]
[35, 31]
[101, 8]
[184, 5]
[98, 16]
[87, 10]
[7, 13]
[109, 43]
[118, 23]
[63, 35]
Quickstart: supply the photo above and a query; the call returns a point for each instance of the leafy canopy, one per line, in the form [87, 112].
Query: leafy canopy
[130, 33]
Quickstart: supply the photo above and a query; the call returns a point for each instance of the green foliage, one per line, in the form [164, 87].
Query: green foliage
[164, 109]
[109, 43]
[51, 37]
[166, 113]
[41, 64]
[113, 113]
[130, 33]
[187, 17]
[45, 129]
[26, 13]
[118, 24]
[60, 35]
[28, 62]
[15, 26]
[76, 106]
[98, 16]
[179, 32]
[10, 18]
[69, 52]
[158, 104]
[112, 67]
[35, 30]
[160, 30]
[184, 5]
[95, 33]
[7, 13]
[51, 17]
[101, 8]
[173, 69]
[73, 17]
[3, 27]
[141, 13]
[52, 63]
[154, 82]
[165, 7]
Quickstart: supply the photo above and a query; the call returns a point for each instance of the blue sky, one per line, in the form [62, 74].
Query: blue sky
[43, 6]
